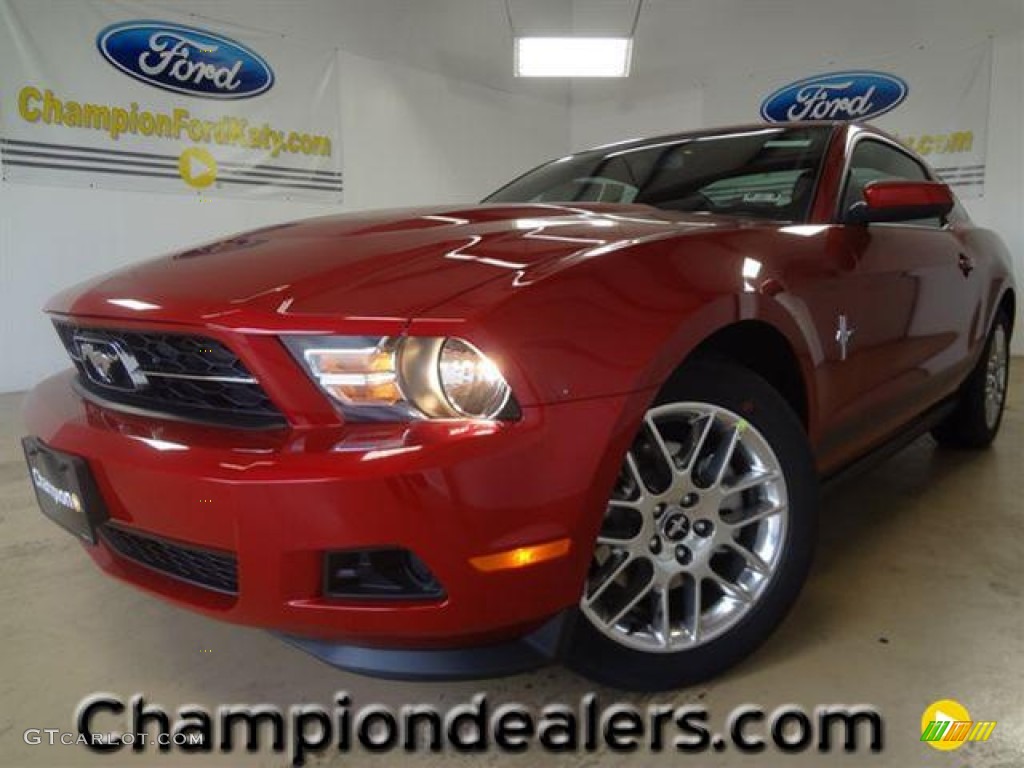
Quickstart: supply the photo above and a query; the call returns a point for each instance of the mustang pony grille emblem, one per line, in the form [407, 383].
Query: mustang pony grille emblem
[843, 335]
[108, 364]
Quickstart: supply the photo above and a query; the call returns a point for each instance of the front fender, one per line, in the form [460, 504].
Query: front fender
[621, 323]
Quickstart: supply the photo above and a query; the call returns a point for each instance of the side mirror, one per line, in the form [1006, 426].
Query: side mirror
[891, 201]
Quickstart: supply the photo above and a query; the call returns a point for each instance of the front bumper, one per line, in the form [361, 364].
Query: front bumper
[279, 499]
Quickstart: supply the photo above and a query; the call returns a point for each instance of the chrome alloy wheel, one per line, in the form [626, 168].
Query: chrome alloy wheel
[693, 533]
[996, 373]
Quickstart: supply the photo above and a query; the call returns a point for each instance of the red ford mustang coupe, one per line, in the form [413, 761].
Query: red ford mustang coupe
[585, 420]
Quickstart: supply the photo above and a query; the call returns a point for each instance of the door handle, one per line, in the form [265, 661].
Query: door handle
[966, 264]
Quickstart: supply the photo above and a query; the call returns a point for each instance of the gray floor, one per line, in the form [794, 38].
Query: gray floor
[916, 596]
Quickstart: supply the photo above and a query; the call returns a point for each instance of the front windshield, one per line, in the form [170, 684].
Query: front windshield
[768, 173]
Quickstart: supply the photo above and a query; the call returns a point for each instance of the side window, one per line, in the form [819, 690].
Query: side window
[875, 161]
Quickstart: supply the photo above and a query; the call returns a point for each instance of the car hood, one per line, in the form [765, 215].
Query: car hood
[382, 265]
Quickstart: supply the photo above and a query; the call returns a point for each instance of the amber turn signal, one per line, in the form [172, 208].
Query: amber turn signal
[523, 556]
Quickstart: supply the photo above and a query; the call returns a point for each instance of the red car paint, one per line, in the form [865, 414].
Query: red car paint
[586, 309]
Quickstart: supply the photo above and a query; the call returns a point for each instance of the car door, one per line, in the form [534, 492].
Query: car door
[901, 306]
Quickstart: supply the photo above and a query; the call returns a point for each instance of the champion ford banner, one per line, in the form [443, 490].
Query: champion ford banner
[120, 95]
[936, 101]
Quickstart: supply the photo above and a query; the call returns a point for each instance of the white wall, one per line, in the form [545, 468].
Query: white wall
[626, 109]
[1002, 208]
[410, 136]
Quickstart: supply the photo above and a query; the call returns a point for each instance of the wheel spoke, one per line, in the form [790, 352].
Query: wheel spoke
[727, 454]
[610, 578]
[634, 505]
[659, 441]
[729, 589]
[751, 481]
[618, 530]
[699, 445]
[634, 470]
[757, 516]
[664, 617]
[695, 610]
[615, 543]
[641, 593]
[753, 561]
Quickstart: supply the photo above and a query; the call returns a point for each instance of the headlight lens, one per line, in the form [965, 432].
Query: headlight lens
[470, 381]
[382, 378]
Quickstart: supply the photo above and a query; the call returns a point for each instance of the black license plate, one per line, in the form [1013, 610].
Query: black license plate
[65, 489]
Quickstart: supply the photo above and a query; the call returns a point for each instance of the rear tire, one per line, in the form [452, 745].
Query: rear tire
[708, 536]
[979, 411]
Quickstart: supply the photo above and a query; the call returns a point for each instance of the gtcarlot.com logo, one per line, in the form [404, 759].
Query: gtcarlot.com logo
[110, 741]
[106, 723]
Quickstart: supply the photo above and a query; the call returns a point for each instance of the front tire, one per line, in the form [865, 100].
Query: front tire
[708, 536]
[979, 412]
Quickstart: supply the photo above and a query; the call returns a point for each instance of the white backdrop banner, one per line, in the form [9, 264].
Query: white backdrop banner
[935, 101]
[108, 94]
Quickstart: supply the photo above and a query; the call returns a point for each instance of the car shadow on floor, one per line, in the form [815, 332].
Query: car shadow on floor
[866, 521]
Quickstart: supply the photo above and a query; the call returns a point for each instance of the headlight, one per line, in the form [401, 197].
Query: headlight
[470, 381]
[382, 378]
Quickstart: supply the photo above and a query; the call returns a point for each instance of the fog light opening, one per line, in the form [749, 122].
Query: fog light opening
[379, 574]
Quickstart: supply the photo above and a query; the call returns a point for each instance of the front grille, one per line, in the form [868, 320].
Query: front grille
[204, 568]
[181, 375]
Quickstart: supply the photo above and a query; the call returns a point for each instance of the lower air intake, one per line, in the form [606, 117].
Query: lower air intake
[202, 567]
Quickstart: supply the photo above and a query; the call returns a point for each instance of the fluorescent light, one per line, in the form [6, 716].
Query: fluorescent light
[573, 56]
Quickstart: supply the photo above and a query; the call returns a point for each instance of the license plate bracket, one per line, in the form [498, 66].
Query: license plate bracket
[65, 489]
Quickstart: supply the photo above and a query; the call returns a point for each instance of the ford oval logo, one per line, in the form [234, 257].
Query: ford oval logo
[185, 60]
[853, 95]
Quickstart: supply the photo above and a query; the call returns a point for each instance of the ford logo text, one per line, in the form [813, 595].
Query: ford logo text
[854, 95]
[185, 60]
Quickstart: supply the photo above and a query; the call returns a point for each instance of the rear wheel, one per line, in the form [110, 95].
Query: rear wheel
[707, 537]
[979, 412]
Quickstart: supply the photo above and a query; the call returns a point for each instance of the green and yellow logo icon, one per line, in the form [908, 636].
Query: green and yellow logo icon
[947, 725]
